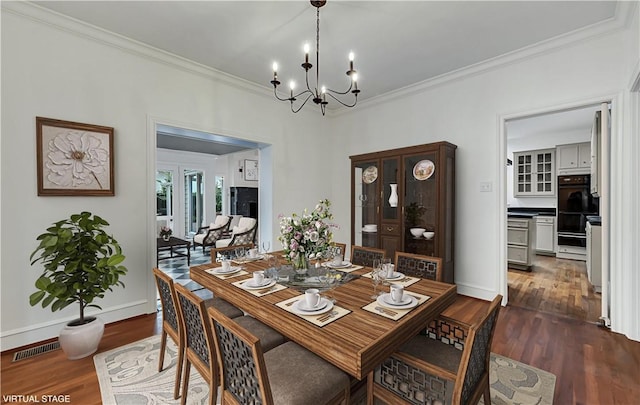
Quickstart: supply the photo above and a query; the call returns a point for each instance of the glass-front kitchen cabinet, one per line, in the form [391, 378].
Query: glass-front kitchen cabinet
[397, 195]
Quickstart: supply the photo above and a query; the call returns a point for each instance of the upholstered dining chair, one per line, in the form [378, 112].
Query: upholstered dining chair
[171, 323]
[364, 256]
[199, 344]
[285, 375]
[425, 370]
[426, 267]
[209, 235]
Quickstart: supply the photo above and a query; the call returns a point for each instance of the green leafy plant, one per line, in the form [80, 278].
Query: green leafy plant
[81, 262]
[414, 212]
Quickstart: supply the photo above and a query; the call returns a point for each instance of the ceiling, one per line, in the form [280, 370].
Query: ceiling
[396, 43]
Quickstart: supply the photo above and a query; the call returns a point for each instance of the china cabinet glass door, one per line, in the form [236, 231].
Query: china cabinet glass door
[366, 200]
[420, 203]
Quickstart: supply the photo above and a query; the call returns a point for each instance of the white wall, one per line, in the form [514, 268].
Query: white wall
[55, 73]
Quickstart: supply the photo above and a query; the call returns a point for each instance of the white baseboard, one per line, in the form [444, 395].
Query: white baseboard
[475, 292]
[47, 330]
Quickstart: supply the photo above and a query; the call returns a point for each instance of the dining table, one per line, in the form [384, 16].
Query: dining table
[360, 336]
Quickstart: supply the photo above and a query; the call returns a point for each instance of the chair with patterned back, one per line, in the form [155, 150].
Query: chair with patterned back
[427, 370]
[285, 375]
[209, 235]
[364, 256]
[171, 323]
[243, 234]
[198, 343]
[197, 327]
[414, 265]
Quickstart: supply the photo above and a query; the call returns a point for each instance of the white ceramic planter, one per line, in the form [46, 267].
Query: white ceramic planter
[83, 340]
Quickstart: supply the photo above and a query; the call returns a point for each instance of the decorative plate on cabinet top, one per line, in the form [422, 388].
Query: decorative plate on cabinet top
[370, 174]
[423, 169]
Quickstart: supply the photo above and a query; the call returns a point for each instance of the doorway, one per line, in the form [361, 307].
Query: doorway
[555, 285]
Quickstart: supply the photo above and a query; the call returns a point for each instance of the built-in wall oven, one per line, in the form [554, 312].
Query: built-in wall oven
[575, 202]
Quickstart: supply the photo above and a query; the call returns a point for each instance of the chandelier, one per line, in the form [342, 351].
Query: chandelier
[317, 94]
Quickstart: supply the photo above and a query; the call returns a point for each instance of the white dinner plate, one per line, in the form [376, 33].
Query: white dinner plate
[385, 300]
[248, 285]
[302, 305]
[232, 269]
[395, 276]
[252, 259]
[339, 266]
[326, 308]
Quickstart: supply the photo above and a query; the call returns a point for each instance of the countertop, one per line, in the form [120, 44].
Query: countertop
[527, 212]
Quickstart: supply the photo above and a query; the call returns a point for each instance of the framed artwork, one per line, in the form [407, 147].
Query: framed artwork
[74, 159]
[250, 170]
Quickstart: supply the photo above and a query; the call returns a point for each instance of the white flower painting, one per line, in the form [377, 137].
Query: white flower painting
[74, 159]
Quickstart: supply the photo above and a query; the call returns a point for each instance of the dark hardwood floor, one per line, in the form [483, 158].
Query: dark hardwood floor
[592, 364]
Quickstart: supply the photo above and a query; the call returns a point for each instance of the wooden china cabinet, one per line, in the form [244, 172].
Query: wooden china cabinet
[395, 190]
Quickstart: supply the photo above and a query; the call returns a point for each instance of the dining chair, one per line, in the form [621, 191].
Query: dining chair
[209, 235]
[285, 375]
[219, 253]
[171, 324]
[364, 256]
[426, 370]
[415, 265]
[341, 246]
[199, 344]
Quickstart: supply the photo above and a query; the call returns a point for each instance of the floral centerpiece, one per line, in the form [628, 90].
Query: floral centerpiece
[165, 232]
[306, 236]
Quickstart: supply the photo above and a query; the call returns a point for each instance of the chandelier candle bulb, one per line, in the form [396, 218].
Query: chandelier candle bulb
[306, 53]
[351, 61]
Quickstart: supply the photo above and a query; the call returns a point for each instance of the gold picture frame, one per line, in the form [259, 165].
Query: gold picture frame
[74, 159]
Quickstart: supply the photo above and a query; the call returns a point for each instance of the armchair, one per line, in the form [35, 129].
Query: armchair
[208, 235]
[243, 234]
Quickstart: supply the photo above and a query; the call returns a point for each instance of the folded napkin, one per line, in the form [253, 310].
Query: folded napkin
[262, 291]
[405, 281]
[395, 313]
[318, 320]
[226, 276]
[349, 269]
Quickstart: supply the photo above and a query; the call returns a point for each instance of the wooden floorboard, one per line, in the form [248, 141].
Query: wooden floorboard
[592, 364]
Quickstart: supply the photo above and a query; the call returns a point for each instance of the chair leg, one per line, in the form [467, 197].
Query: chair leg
[185, 381]
[163, 347]
[179, 367]
[370, 388]
[487, 394]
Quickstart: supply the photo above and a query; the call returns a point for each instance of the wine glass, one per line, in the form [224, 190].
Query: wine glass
[329, 279]
[266, 246]
[384, 265]
[239, 253]
[375, 276]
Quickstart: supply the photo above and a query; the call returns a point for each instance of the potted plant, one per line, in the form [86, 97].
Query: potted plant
[81, 262]
[165, 233]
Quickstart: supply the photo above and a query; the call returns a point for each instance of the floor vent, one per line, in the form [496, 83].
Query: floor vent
[34, 351]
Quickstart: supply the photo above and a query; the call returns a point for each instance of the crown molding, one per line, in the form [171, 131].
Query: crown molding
[622, 19]
[33, 12]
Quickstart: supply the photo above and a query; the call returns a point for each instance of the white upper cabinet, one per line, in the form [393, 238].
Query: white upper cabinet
[534, 173]
[574, 158]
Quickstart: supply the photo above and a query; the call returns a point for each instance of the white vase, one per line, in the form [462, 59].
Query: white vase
[82, 340]
[393, 198]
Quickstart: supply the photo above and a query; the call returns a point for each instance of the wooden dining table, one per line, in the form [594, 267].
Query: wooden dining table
[356, 342]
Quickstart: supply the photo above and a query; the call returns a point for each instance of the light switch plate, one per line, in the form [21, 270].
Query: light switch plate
[486, 186]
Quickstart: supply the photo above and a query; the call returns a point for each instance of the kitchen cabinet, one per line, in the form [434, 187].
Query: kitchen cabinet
[545, 235]
[521, 236]
[395, 190]
[534, 173]
[574, 158]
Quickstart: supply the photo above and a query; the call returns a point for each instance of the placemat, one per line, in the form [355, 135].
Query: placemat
[406, 281]
[226, 276]
[321, 320]
[395, 313]
[260, 292]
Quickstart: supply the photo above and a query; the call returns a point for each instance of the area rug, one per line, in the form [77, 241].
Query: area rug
[128, 375]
